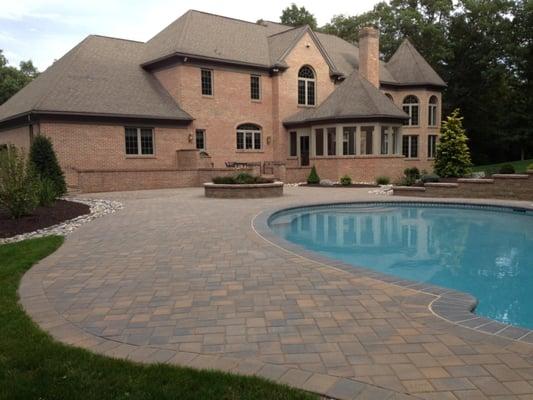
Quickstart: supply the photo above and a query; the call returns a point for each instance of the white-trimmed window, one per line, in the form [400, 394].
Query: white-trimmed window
[207, 82]
[139, 141]
[255, 87]
[432, 146]
[348, 141]
[249, 137]
[200, 139]
[293, 144]
[410, 146]
[366, 140]
[385, 142]
[411, 107]
[306, 86]
[432, 111]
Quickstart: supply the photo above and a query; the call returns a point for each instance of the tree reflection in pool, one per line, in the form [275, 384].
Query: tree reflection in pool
[487, 252]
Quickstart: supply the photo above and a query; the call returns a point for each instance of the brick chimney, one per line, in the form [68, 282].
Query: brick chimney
[369, 54]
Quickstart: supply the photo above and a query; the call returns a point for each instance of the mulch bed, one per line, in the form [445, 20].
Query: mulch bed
[42, 217]
[354, 185]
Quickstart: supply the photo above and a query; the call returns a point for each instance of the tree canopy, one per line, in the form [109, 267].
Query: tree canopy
[13, 79]
[298, 16]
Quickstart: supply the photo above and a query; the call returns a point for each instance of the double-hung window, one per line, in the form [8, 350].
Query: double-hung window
[319, 142]
[200, 139]
[432, 111]
[348, 141]
[332, 141]
[410, 106]
[139, 141]
[293, 145]
[432, 146]
[367, 138]
[255, 87]
[207, 82]
[410, 146]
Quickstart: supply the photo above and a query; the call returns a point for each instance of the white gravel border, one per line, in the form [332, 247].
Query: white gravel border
[98, 208]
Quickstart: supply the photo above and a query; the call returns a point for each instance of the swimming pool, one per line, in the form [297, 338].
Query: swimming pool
[484, 251]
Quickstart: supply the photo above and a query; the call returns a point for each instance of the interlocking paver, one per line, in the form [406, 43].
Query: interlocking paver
[189, 291]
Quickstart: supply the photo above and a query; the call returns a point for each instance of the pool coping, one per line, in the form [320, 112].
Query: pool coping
[453, 306]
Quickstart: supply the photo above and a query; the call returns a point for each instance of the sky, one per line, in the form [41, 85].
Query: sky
[44, 30]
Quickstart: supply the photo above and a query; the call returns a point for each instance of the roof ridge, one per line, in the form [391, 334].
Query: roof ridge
[74, 51]
[225, 17]
[115, 38]
[288, 30]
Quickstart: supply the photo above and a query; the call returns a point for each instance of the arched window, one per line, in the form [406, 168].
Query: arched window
[410, 106]
[306, 86]
[432, 111]
[389, 96]
[249, 137]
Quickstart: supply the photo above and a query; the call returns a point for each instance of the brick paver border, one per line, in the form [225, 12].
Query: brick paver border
[451, 305]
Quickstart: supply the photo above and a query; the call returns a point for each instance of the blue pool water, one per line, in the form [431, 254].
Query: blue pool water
[487, 252]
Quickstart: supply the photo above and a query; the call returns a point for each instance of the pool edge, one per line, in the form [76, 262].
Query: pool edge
[450, 305]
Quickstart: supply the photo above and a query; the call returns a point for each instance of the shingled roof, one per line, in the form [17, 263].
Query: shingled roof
[99, 76]
[354, 99]
[408, 67]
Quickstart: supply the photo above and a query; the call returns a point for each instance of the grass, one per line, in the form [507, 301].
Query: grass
[34, 366]
[519, 166]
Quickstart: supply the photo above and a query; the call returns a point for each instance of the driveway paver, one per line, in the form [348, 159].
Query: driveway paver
[178, 278]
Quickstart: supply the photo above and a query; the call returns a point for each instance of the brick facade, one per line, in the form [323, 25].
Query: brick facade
[93, 154]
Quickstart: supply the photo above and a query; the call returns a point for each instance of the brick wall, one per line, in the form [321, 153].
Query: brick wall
[19, 137]
[514, 187]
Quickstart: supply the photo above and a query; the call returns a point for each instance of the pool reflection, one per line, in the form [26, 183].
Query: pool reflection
[485, 253]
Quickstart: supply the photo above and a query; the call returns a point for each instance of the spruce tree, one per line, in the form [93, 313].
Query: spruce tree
[313, 177]
[453, 154]
[44, 162]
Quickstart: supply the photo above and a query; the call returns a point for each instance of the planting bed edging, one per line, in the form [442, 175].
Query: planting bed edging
[236, 191]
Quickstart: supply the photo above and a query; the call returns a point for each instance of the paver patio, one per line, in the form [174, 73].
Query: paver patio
[176, 277]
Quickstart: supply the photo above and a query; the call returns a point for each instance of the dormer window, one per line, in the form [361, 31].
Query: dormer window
[306, 86]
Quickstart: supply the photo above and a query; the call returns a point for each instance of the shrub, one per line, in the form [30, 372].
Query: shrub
[244, 178]
[261, 179]
[46, 191]
[223, 180]
[411, 175]
[18, 189]
[507, 169]
[453, 155]
[44, 161]
[346, 180]
[313, 177]
[382, 180]
[429, 178]
[530, 167]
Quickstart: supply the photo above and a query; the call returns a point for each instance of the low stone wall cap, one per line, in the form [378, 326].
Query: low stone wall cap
[441, 184]
[410, 188]
[475, 180]
[510, 176]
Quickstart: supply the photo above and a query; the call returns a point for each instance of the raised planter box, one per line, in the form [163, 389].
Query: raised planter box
[253, 191]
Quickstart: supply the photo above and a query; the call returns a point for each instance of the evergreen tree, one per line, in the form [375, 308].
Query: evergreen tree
[313, 177]
[453, 154]
[44, 161]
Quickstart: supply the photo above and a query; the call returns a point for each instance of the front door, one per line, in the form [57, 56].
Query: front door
[304, 150]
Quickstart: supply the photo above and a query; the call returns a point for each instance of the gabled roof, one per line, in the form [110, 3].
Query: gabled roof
[408, 67]
[100, 76]
[354, 99]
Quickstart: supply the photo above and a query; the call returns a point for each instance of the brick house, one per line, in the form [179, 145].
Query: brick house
[209, 91]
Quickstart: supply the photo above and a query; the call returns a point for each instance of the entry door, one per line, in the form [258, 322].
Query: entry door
[304, 150]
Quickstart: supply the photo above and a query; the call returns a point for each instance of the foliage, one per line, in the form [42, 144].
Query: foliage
[411, 175]
[35, 366]
[507, 169]
[241, 179]
[530, 167]
[382, 180]
[297, 16]
[13, 79]
[313, 178]
[45, 164]
[453, 154]
[18, 189]
[46, 192]
[425, 178]
[346, 180]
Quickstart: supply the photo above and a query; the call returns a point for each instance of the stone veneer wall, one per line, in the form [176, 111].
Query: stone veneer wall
[500, 186]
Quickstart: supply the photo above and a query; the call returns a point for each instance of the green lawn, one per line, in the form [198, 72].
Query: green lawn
[519, 166]
[34, 366]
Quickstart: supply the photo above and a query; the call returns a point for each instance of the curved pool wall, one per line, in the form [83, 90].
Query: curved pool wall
[485, 251]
